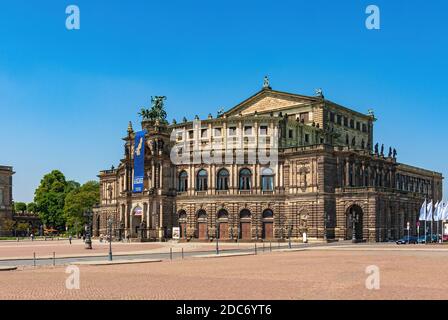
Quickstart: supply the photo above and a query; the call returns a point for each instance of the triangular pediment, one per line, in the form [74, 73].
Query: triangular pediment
[268, 100]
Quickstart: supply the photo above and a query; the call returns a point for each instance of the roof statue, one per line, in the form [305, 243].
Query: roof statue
[319, 93]
[157, 111]
[266, 83]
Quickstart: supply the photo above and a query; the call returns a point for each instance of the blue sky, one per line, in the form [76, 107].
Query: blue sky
[66, 96]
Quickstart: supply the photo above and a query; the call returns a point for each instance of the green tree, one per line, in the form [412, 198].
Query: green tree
[20, 207]
[22, 227]
[50, 198]
[32, 207]
[7, 225]
[77, 202]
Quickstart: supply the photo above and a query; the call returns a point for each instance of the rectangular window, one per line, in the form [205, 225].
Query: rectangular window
[307, 138]
[263, 130]
[331, 117]
[339, 120]
[346, 121]
[290, 134]
[305, 117]
[364, 127]
[352, 123]
[204, 133]
[191, 134]
[232, 131]
[358, 126]
[218, 132]
[248, 131]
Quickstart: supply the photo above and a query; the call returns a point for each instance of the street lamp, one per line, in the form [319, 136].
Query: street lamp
[110, 223]
[289, 233]
[354, 217]
[217, 237]
[327, 219]
[88, 241]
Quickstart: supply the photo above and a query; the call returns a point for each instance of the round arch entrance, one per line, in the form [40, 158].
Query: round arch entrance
[137, 217]
[268, 225]
[223, 224]
[354, 223]
[202, 232]
[245, 225]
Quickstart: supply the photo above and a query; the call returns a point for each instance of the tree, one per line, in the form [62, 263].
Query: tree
[77, 202]
[50, 198]
[20, 207]
[7, 225]
[32, 207]
[22, 226]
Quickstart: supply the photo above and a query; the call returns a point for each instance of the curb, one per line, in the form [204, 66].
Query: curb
[118, 262]
[225, 255]
[12, 268]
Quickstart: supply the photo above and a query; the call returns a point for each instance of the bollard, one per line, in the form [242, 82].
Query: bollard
[54, 259]
[270, 246]
[255, 248]
[171, 254]
[182, 253]
[34, 259]
[263, 246]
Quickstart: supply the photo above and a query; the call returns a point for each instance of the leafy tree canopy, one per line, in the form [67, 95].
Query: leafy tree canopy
[50, 198]
[79, 201]
[20, 207]
[32, 207]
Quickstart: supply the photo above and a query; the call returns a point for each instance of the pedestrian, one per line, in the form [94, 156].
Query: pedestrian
[32, 237]
[70, 239]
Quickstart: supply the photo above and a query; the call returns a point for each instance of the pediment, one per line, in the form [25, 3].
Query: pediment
[267, 101]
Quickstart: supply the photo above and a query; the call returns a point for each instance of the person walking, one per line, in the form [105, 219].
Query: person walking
[70, 239]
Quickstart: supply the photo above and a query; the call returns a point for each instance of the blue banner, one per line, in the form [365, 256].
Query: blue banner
[139, 161]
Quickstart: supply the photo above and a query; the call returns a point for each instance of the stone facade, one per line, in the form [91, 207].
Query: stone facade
[325, 177]
[6, 200]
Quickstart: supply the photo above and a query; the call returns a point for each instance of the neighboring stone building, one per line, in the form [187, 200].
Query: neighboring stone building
[6, 201]
[322, 175]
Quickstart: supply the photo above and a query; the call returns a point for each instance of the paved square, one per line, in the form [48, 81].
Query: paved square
[407, 272]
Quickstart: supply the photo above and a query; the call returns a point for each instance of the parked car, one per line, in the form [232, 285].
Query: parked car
[445, 238]
[428, 239]
[406, 240]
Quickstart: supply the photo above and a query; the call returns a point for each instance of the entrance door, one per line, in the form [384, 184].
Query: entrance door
[183, 228]
[268, 230]
[245, 231]
[202, 227]
[224, 230]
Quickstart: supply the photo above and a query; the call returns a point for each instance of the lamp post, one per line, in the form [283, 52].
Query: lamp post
[109, 224]
[289, 233]
[326, 221]
[217, 237]
[88, 242]
[354, 218]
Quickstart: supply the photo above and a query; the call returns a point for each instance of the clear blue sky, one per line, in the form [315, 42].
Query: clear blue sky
[66, 96]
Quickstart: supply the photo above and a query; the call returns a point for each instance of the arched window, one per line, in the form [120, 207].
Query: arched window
[223, 214]
[183, 181]
[268, 214]
[201, 181]
[245, 179]
[244, 214]
[182, 215]
[223, 180]
[267, 179]
[202, 215]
